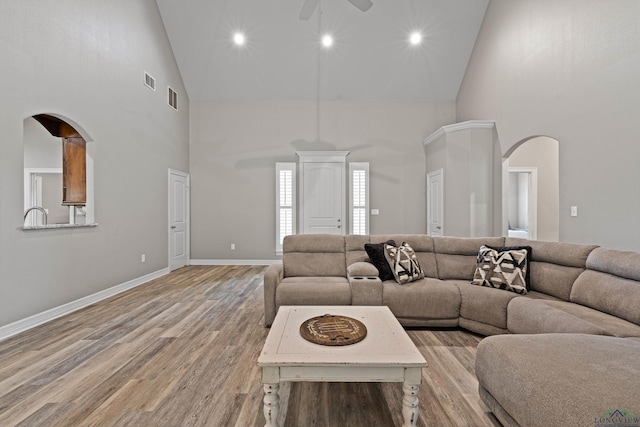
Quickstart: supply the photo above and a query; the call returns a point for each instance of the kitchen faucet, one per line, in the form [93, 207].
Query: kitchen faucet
[38, 208]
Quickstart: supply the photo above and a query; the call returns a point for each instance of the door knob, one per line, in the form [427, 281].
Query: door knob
[173, 226]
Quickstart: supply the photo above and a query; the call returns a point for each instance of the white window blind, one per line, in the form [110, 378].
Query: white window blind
[359, 198]
[285, 202]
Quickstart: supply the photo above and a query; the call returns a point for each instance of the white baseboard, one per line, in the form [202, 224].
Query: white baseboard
[234, 261]
[51, 314]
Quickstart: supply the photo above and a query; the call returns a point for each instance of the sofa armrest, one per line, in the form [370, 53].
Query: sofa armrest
[273, 275]
[362, 269]
[366, 286]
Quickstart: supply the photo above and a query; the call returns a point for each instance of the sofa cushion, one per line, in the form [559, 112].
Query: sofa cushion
[426, 298]
[421, 244]
[376, 254]
[505, 268]
[611, 284]
[610, 294]
[482, 304]
[403, 263]
[558, 379]
[313, 291]
[354, 247]
[456, 257]
[613, 325]
[553, 279]
[314, 255]
[526, 316]
[624, 264]
[554, 265]
[362, 269]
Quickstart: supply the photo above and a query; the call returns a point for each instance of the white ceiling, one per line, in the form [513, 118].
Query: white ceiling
[371, 57]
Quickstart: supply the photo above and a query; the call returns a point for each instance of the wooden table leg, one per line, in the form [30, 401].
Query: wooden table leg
[271, 404]
[410, 405]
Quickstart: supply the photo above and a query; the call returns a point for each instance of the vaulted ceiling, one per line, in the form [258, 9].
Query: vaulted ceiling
[283, 59]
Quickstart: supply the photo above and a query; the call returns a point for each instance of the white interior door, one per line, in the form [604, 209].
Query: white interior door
[323, 198]
[435, 201]
[178, 219]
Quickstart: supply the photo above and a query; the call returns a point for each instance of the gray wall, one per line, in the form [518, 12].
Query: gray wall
[84, 60]
[234, 147]
[569, 70]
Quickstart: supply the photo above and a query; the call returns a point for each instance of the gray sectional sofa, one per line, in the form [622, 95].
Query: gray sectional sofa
[576, 355]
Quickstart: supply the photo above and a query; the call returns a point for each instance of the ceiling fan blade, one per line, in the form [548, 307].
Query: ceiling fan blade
[308, 8]
[363, 5]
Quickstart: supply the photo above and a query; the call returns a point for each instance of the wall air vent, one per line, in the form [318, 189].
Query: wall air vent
[149, 81]
[173, 98]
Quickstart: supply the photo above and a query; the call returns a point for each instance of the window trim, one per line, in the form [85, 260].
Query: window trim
[359, 166]
[292, 167]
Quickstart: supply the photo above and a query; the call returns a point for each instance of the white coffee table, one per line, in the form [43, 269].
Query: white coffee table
[387, 354]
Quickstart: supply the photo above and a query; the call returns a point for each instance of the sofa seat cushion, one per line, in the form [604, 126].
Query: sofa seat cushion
[558, 379]
[313, 291]
[483, 304]
[484, 309]
[425, 298]
[538, 317]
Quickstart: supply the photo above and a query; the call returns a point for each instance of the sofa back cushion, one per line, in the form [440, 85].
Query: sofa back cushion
[610, 284]
[421, 244]
[457, 257]
[555, 266]
[314, 255]
[354, 245]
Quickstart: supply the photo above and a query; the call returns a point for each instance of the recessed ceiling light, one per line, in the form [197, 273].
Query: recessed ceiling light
[239, 39]
[415, 38]
[327, 40]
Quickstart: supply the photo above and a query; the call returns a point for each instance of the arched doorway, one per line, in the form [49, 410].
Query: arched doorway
[530, 183]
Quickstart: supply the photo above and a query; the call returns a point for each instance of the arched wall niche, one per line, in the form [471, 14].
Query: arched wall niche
[530, 189]
[41, 166]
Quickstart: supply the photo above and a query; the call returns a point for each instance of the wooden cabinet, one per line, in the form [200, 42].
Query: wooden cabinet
[74, 160]
[74, 171]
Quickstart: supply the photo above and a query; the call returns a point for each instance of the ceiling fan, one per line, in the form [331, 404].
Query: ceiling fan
[310, 6]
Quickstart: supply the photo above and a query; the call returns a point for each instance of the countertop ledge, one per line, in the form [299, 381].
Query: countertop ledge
[57, 226]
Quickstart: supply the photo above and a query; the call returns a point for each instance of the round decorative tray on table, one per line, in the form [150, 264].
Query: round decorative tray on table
[333, 330]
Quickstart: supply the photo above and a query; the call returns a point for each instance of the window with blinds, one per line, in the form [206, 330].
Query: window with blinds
[359, 198]
[285, 202]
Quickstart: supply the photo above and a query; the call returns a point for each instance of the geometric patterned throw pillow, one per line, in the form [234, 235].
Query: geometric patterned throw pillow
[503, 268]
[403, 263]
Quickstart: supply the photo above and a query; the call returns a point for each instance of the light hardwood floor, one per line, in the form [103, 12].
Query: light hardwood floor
[181, 350]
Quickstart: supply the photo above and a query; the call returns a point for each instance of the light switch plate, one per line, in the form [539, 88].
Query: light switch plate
[574, 211]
